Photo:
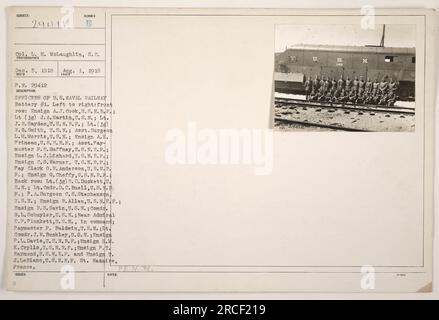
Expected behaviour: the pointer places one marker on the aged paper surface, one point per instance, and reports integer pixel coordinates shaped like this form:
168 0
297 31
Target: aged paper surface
142 155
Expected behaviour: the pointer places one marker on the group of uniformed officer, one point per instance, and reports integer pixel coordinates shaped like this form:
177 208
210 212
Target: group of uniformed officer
355 91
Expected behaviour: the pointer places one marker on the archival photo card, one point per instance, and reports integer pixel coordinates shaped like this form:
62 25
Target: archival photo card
345 78
144 153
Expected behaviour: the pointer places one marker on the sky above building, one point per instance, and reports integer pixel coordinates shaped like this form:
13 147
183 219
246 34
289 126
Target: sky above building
396 35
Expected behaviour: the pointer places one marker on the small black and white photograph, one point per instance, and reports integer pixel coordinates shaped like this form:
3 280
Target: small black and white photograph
345 78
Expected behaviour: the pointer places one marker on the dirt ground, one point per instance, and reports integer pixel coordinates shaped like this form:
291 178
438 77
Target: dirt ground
355 119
